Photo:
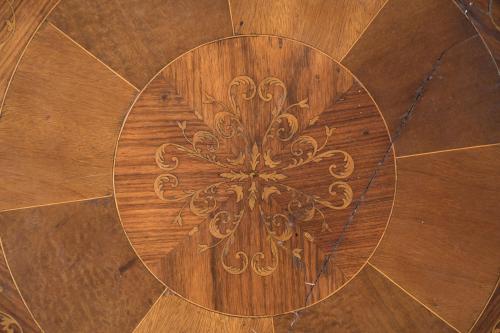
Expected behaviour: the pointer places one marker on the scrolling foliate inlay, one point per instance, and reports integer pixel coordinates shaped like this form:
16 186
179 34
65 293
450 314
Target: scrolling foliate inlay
254 175
8 324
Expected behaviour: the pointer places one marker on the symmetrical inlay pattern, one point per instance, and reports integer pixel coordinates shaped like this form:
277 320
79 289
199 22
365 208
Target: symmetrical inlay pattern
241 162
253 175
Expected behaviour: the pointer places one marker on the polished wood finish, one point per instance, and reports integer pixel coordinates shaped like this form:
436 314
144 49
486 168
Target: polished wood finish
442 242
460 106
67 92
18 21
173 314
485 15
12 307
331 26
59 125
401 66
137 38
75 268
177 143
489 321
370 303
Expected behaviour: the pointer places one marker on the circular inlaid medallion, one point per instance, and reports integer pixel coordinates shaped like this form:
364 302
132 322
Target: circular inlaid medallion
254 176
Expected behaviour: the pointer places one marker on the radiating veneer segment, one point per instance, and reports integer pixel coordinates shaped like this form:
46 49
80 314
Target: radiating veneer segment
11 303
369 303
489 321
485 15
460 106
59 125
442 242
75 267
174 314
26 17
136 37
331 26
421 56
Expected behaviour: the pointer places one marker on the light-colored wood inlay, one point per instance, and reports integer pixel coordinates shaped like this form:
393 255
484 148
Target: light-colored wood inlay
331 26
421 62
59 125
75 268
19 20
255 174
211 166
489 320
460 105
369 303
93 56
485 15
8 324
449 150
442 242
137 38
173 314
14 314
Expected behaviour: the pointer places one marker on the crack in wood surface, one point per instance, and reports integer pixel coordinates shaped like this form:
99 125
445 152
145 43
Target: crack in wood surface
419 93
479 18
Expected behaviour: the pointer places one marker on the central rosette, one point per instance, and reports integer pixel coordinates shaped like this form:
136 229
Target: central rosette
252 172
255 175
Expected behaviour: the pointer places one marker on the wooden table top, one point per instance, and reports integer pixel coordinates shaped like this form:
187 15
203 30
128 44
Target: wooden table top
249 166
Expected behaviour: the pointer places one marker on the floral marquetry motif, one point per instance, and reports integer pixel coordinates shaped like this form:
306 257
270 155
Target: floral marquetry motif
253 176
8 324
240 171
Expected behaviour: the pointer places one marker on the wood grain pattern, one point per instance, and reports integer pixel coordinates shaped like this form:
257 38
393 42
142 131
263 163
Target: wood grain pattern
59 125
173 314
442 242
137 38
397 65
28 14
75 268
11 303
485 15
461 104
244 220
489 321
331 26
369 303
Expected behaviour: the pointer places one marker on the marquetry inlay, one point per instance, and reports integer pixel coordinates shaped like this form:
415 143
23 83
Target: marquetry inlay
8 324
253 175
243 165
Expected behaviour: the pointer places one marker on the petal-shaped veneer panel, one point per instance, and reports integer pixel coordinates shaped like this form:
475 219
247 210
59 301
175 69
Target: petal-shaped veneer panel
331 26
23 18
421 59
59 125
136 37
442 242
75 268
460 106
173 314
12 308
369 303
